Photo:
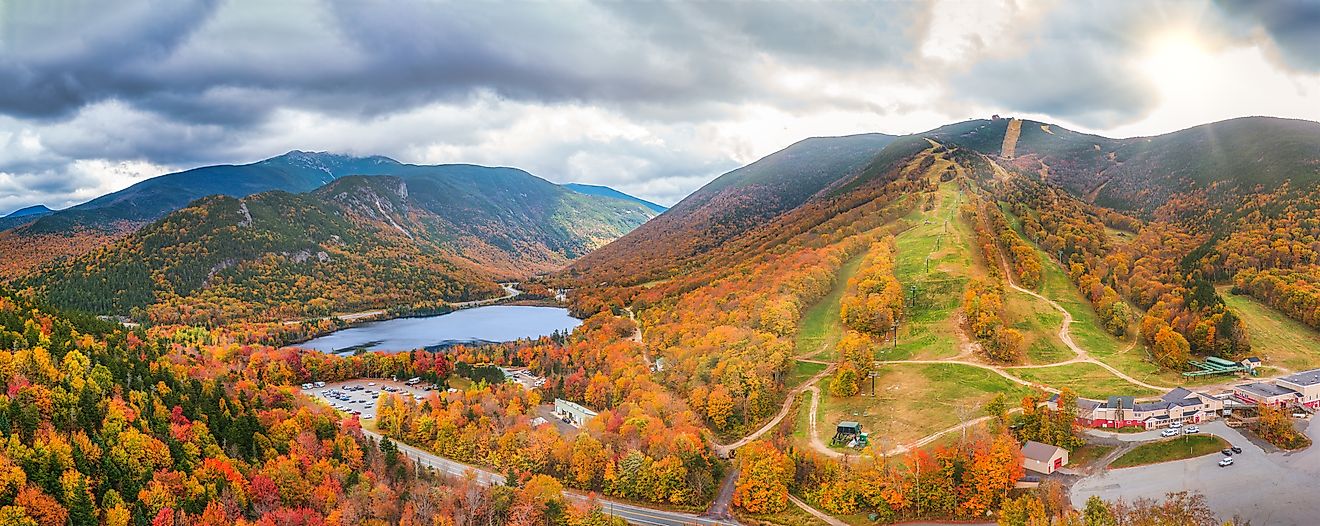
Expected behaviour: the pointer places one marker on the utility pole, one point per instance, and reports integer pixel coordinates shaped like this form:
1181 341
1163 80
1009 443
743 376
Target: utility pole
895 340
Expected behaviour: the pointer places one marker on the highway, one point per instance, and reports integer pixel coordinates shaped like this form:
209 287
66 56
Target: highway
634 514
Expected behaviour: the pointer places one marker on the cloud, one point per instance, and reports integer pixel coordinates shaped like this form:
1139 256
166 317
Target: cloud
1291 27
653 98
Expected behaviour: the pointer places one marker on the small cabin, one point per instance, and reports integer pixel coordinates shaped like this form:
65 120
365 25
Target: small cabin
1043 458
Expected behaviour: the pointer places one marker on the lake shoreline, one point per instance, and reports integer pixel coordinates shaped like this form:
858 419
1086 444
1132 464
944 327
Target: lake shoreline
477 325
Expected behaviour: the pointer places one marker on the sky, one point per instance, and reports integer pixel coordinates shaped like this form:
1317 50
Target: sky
652 98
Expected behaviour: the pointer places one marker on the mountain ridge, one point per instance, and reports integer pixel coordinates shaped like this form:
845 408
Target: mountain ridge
409 241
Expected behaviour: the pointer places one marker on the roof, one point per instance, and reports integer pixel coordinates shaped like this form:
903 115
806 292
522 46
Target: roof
1264 389
1304 378
1176 394
850 425
1039 452
1119 402
1150 406
574 406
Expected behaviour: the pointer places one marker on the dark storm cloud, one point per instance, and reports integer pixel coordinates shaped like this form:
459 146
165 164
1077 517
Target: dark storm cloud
181 58
59 55
1292 26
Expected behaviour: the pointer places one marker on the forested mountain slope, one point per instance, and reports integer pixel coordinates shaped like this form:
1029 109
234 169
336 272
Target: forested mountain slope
496 195
415 240
733 204
718 294
591 189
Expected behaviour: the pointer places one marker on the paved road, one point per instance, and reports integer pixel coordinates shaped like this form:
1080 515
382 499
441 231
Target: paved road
632 513
1267 488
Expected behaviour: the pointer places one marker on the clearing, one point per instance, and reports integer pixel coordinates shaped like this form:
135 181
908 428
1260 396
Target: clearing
1280 341
1088 380
820 327
802 371
914 401
929 330
1184 447
1039 324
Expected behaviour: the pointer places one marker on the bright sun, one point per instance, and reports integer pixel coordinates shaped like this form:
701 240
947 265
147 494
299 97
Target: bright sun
1176 62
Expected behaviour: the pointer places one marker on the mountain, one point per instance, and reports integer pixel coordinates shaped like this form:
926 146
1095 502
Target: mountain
1222 162
1149 231
415 238
736 202
296 171
23 215
34 210
591 189
76 230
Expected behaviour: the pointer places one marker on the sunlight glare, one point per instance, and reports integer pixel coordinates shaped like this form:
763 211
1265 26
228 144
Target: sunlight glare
1176 64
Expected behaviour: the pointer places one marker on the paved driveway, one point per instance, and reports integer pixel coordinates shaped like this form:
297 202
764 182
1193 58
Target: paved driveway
1267 488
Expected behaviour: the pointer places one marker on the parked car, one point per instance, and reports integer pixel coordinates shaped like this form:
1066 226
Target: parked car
1169 433
1175 425
1191 429
1236 449
1227 461
1227 452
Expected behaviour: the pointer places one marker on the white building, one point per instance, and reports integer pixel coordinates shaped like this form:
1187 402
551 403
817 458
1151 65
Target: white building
573 413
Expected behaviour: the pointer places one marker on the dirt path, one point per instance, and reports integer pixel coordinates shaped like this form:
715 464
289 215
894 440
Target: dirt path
1065 334
815 512
723 449
637 337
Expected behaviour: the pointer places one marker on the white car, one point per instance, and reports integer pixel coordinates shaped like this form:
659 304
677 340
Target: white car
1169 433
1225 462
371 384
1191 429
1175 425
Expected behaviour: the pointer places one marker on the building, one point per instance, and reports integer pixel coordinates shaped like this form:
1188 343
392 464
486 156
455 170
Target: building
1307 386
1261 393
846 432
572 413
1043 458
1178 405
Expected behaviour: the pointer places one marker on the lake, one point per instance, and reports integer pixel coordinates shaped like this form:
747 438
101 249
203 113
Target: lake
497 323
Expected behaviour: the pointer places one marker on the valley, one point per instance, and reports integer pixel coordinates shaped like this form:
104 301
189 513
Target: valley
934 295
677 263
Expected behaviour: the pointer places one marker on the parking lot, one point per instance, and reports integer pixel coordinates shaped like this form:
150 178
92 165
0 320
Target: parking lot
359 396
1265 487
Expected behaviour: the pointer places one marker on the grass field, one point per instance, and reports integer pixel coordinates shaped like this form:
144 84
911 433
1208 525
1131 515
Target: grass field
929 328
1039 324
1088 380
820 327
801 372
915 400
1087 454
1187 446
1276 338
